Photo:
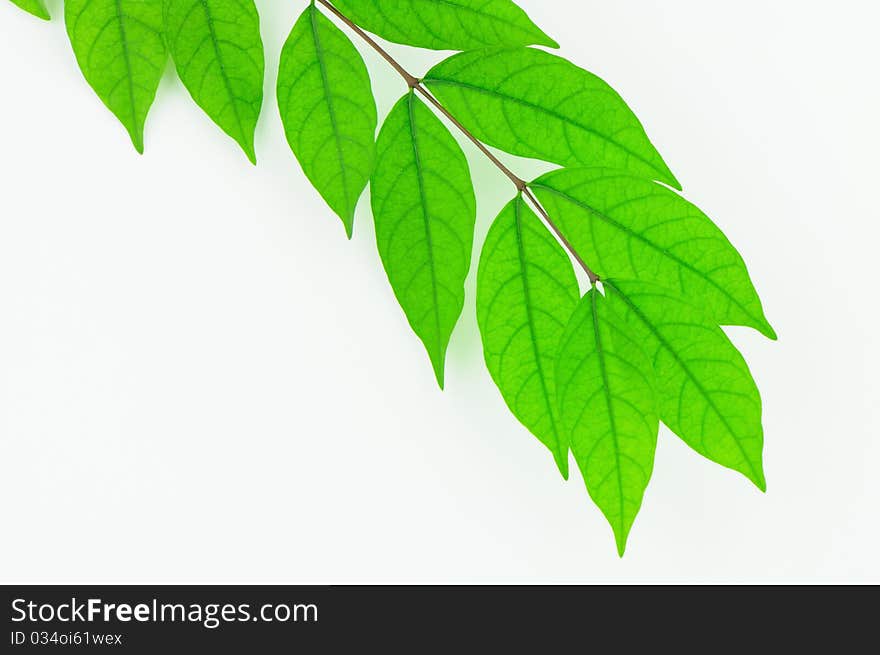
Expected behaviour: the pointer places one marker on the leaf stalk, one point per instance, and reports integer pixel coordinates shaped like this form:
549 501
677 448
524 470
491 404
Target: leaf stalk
415 83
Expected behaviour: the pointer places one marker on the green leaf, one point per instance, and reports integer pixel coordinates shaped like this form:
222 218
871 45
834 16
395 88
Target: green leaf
446 24
534 104
608 405
706 394
121 52
329 114
526 293
218 52
635 229
35 7
425 211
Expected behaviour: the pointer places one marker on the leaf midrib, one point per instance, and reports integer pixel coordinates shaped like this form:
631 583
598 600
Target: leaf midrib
566 119
600 351
428 235
635 235
331 110
665 344
533 31
495 17
214 42
531 323
123 39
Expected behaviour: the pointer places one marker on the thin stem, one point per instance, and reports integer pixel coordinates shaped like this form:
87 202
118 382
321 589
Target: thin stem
416 84
527 193
517 181
411 80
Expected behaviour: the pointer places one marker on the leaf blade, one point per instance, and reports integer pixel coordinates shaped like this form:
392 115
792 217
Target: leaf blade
608 405
425 247
218 52
632 228
526 292
707 395
121 52
534 104
321 73
34 7
446 24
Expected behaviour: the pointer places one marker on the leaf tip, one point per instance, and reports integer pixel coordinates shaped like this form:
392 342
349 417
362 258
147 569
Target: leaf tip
348 223
137 140
247 145
621 527
439 365
562 464
39 11
755 474
761 483
672 181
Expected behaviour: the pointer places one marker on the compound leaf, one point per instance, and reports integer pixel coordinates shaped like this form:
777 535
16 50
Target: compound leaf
605 387
631 228
447 24
706 393
526 293
218 52
534 104
35 7
425 211
329 114
120 49
594 375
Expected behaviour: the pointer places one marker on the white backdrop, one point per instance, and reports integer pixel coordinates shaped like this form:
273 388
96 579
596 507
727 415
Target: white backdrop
201 380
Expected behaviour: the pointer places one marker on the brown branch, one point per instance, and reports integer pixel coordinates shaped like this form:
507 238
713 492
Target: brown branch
527 193
518 182
411 80
415 84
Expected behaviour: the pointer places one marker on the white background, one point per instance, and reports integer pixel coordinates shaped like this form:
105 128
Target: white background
201 380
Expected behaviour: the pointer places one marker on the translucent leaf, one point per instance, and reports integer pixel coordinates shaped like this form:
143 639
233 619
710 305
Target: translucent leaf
635 229
425 210
526 293
329 114
446 24
218 52
121 52
607 403
35 7
706 393
534 104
